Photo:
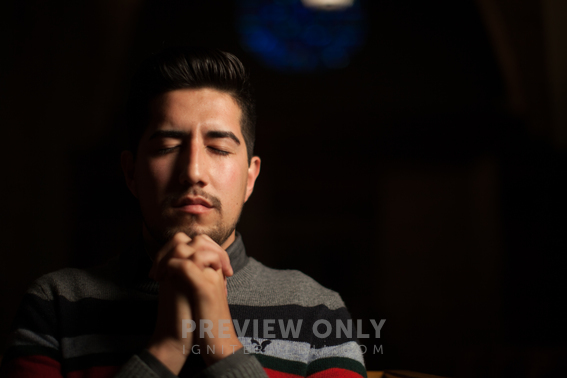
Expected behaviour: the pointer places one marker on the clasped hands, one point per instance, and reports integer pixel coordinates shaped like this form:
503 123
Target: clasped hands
192 276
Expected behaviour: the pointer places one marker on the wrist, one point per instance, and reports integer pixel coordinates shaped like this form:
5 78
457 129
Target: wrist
216 351
169 352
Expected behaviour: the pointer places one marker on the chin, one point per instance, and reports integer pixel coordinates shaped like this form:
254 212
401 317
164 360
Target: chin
218 234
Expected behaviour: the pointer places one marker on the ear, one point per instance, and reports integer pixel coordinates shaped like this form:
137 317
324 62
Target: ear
253 172
127 163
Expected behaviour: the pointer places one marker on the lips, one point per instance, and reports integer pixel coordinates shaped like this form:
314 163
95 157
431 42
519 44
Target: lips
193 205
193 201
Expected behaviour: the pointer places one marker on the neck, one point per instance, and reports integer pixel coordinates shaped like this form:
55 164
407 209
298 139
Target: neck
229 240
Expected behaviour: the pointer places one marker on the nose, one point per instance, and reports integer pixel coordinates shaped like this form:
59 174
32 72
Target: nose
193 168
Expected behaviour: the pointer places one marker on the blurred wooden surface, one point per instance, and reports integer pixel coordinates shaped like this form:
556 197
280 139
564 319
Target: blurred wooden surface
398 374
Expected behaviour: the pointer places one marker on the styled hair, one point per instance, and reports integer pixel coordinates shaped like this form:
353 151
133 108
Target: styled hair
194 68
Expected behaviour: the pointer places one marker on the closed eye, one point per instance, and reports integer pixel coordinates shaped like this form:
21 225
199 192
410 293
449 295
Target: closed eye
218 151
163 151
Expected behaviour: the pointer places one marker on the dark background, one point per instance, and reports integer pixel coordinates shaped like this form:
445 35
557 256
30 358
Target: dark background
425 182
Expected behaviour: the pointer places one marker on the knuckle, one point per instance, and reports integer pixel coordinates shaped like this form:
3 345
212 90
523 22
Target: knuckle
214 258
197 258
205 258
213 254
185 267
180 237
203 239
179 250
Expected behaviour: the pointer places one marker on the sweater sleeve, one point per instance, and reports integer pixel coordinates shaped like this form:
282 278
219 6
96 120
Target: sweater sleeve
237 365
33 349
338 353
144 365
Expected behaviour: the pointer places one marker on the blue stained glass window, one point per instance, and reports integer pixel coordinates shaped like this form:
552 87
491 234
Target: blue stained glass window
287 36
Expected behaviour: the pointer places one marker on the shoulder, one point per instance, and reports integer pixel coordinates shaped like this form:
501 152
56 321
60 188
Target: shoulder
269 286
74 284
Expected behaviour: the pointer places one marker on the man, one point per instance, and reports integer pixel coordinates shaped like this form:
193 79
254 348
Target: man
171 305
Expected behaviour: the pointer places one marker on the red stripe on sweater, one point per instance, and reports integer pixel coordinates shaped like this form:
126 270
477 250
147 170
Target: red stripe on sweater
95 371
32 367
335 372
278 374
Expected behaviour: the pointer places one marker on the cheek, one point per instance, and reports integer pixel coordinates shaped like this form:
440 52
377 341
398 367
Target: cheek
233 181
154 177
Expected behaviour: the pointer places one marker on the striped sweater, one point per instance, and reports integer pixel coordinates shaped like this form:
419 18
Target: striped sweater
96 322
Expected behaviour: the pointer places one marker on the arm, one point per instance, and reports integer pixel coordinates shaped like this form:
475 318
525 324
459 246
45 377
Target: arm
44 317
35 351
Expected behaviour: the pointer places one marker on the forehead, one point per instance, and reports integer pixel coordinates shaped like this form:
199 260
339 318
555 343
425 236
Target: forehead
187 109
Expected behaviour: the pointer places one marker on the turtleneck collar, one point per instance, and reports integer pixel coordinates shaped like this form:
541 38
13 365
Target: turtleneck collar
135 264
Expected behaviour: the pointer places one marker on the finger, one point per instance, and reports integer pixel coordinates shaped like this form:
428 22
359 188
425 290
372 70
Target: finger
205 241
177 247
179 251
178 271
186 272
214 276
203 259
179 238
206 259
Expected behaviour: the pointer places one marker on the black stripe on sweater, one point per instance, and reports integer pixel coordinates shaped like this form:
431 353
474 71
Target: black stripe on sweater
31 350
35 314
98 359
280 364
86 316
336 362
96 316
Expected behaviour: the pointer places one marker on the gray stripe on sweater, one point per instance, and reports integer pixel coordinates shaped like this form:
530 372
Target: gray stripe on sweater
351 350
104 282
253 285
259 285
286 349
301 351
77 284
23 337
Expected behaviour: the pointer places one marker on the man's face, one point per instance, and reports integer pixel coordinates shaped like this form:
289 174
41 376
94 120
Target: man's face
191 173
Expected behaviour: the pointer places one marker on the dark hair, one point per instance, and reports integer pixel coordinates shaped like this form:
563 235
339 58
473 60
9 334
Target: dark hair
189 67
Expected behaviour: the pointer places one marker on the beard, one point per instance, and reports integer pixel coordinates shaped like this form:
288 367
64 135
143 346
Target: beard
169 225
219 232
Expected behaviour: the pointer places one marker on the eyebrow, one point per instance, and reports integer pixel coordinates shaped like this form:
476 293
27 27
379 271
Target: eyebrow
217 134
176 134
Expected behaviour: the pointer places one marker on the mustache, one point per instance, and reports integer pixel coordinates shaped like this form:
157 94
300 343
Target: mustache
173 198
